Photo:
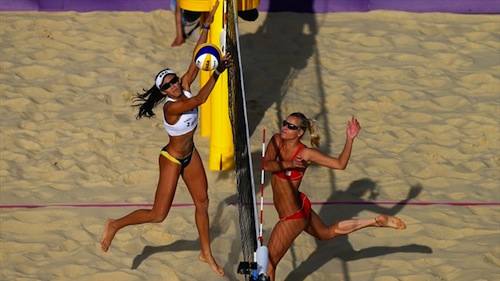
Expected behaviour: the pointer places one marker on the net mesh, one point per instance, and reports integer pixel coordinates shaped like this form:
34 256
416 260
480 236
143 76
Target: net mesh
238 117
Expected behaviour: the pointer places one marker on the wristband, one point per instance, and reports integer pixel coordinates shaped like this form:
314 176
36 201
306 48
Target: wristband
205 26
217 72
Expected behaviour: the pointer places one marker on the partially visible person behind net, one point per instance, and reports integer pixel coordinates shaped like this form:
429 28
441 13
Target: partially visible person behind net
186 22
179 158
287 158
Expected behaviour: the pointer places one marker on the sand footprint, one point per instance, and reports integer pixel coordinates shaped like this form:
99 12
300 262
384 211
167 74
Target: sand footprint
452 102
477 36
410 58
16 104
475 79
434 46
84 80
453 60
36 72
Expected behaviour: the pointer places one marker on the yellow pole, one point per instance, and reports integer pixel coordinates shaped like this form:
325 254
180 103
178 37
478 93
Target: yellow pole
221 136
214 121
195 5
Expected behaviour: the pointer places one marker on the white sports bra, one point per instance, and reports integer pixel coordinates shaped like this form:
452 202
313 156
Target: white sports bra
186 123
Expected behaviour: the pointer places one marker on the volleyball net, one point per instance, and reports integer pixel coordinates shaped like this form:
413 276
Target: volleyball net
241 138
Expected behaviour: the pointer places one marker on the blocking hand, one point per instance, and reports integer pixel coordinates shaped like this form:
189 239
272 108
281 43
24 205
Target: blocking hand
353 128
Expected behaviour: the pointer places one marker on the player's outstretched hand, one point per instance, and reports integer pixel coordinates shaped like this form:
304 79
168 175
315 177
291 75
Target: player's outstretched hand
353 128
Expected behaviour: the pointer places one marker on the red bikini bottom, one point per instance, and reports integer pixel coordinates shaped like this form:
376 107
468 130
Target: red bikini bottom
303 213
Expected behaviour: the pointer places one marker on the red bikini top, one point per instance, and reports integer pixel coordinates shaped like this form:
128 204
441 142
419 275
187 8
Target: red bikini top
293 173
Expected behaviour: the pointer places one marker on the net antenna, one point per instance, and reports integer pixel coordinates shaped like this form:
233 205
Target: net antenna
252 249
262 253
262 178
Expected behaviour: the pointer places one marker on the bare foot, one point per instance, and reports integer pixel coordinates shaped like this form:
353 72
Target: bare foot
389 221
178 41
211 262
107 235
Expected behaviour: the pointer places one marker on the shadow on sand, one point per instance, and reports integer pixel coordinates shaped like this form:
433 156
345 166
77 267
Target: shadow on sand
340 247
220 223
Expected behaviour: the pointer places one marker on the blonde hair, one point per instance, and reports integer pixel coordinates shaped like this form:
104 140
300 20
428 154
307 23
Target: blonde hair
310 124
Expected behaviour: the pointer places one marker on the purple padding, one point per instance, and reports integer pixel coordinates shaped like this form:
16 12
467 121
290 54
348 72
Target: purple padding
19 5
328 6
313 6
84 5
103 5
301 6
451 6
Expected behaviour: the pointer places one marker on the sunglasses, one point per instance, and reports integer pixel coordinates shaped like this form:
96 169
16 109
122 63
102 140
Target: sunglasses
290 125
169 84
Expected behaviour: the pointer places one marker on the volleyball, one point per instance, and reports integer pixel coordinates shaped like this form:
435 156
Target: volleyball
207 56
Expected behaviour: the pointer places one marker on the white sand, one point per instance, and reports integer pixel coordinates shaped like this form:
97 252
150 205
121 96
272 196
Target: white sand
425 87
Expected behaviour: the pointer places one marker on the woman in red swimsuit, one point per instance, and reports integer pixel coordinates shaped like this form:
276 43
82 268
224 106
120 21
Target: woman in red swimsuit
287 158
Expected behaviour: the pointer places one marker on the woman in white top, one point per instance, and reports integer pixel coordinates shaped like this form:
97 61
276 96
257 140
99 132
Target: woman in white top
179 158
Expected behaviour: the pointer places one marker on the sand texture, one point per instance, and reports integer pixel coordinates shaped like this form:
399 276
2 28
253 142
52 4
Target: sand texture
425 88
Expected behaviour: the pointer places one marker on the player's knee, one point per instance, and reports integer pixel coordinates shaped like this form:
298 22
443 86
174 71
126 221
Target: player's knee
327 235
201 204
158 216
334 232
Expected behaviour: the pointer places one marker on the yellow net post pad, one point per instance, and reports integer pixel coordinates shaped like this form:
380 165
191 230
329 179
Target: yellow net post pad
196 5
206 5
221 156
214 119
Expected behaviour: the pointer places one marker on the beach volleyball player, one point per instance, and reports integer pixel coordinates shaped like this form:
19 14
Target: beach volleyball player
179 158
287 158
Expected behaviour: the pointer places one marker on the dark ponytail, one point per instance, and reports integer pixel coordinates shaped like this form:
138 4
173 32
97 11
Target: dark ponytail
147 101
